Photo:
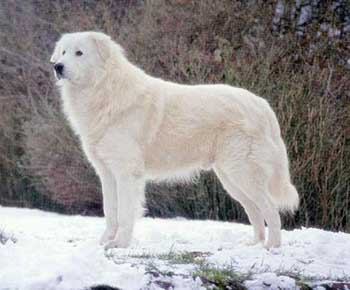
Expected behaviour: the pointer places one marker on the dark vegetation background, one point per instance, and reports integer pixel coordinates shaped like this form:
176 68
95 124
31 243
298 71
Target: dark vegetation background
296 54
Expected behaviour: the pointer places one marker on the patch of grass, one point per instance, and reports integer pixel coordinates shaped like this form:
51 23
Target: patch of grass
176 258
213 277
145 256
156 272
302 285
220 278
184 257
302 281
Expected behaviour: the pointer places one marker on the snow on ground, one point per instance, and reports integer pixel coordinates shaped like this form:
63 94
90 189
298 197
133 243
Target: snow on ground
41 250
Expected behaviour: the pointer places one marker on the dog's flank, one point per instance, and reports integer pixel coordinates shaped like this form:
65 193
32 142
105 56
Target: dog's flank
134 127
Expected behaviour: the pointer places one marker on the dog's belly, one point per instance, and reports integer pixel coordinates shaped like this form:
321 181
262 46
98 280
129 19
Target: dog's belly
174 156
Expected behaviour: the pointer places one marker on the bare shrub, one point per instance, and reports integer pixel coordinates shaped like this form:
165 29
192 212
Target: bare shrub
60 170
305 78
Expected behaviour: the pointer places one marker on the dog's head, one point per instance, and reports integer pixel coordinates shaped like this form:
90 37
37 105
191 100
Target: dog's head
81 57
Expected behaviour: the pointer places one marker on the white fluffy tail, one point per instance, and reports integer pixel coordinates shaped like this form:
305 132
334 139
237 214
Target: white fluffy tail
286 198
283 193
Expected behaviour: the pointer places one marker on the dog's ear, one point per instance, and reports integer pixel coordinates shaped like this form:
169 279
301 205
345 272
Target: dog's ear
103 45
56 53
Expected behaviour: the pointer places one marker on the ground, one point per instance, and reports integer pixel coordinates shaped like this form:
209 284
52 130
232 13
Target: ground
40 250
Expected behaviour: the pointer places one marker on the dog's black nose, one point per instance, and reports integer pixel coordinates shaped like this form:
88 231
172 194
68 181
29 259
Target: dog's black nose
59 68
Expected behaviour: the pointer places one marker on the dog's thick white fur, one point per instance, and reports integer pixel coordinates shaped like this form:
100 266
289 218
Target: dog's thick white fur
134 127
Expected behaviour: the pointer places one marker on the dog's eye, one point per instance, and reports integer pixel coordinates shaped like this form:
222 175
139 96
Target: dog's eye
63 52
78 53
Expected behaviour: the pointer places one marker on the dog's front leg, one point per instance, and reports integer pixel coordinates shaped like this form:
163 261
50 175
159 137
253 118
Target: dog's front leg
130 192
110 206
124 160
109 192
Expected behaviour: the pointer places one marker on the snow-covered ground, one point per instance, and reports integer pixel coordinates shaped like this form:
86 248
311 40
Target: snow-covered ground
51 251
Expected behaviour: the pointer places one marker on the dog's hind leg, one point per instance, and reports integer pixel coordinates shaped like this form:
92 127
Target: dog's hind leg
243 163
271 216
253 212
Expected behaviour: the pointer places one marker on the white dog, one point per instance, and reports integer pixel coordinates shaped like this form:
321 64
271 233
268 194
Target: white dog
134 127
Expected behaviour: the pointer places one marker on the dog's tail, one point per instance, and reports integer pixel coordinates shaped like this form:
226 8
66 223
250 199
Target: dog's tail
285 197
283 193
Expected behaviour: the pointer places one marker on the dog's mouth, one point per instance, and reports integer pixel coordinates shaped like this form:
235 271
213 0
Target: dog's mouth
58 76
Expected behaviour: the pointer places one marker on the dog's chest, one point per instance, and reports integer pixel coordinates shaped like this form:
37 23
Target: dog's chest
80 116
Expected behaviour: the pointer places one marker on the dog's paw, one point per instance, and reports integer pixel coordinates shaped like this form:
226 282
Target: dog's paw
121 240
111 244
108 235
117 243
253 242
272 244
